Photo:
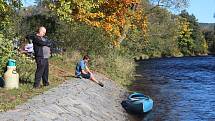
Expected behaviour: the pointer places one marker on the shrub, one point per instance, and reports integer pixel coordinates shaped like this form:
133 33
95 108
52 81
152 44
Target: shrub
116 67
26 68
6 51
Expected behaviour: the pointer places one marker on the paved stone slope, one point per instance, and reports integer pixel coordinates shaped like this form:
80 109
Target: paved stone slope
74 100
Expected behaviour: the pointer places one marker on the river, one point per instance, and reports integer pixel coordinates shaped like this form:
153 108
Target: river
183 89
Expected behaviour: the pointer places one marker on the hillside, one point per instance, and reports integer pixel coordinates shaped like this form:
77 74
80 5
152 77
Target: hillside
207 26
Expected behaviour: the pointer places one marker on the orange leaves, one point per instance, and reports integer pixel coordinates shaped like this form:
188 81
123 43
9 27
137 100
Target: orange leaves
107 27
139 16
96 24
145 24
111 19
111 15
128 2
122 21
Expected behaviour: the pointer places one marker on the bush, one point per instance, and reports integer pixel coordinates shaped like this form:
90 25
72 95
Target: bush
6 51
26 68
116 67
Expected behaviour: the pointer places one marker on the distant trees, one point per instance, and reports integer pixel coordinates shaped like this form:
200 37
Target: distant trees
208 30
210 38
214 24
196 43
162 35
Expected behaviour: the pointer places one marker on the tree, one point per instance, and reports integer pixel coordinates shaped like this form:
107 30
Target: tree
200 46
7 12
172 4
185 41
210 38
214 30
116 17
162 34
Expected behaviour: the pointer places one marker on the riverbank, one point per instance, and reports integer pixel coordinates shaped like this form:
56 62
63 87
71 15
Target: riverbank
74 100
146 57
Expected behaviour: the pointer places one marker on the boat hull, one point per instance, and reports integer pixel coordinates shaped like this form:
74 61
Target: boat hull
138 103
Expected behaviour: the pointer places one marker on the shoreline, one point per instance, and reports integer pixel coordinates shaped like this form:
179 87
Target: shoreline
146 57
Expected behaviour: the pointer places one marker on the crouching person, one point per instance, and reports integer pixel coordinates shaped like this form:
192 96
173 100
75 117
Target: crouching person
82 71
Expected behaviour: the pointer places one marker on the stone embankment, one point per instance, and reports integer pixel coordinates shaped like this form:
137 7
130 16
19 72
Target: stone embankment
74 100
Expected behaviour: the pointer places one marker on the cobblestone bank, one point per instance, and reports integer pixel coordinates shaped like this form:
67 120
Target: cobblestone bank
74 100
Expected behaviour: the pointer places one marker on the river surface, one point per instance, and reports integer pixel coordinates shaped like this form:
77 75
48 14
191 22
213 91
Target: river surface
183 89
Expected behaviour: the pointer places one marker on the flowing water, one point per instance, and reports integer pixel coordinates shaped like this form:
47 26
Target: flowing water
183 89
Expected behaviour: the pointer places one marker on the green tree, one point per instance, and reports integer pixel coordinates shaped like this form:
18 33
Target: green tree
210 38
162 34
161 37
185 41
7 33
200 46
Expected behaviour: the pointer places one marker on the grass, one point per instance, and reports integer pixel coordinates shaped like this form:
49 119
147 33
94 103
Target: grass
58 74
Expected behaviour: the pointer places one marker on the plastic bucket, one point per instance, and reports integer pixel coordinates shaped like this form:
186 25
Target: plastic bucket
11 62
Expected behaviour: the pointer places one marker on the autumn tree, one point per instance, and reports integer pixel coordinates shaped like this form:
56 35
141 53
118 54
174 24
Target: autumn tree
185 41
200 45
115 17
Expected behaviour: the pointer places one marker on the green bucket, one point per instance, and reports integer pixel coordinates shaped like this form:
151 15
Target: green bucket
11 62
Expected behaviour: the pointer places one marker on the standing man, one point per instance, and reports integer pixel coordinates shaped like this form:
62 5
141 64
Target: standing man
42 52
82 71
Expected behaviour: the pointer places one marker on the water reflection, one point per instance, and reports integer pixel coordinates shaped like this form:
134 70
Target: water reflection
183 89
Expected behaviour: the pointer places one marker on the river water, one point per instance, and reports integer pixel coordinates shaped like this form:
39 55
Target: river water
183 89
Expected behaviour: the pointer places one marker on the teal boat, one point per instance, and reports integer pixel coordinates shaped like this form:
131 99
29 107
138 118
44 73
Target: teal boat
137 103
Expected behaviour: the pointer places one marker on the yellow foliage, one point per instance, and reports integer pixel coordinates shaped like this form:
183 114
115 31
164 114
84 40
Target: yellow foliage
138 17
95 23
116 43
95 15
111 15
185 30
145 24
111 19
122 21
117 32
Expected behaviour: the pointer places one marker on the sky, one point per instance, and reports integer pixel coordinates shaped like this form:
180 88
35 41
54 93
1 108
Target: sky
203 10
28 2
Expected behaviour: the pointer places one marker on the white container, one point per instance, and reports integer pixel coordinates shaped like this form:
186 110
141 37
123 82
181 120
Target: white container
11 78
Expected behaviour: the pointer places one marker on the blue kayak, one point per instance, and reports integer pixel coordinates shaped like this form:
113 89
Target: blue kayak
138 103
